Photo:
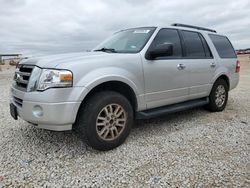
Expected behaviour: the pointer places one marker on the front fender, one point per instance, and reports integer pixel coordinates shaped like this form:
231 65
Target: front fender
102 75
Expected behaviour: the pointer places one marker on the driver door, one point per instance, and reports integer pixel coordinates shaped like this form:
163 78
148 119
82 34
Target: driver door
166 78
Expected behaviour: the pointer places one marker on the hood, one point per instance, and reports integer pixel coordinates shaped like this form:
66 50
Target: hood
53 61
93 64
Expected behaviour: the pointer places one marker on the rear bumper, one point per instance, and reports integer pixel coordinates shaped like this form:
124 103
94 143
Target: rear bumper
234 80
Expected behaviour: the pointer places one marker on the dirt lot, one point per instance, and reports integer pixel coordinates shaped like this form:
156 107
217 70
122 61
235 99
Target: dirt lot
194 148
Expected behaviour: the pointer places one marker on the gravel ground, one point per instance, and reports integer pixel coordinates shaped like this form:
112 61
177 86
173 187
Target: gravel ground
194 148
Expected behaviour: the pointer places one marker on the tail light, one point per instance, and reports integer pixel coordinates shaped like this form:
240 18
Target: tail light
237 69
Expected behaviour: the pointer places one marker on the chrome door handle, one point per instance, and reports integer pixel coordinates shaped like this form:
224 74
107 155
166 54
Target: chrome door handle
181 66
213 64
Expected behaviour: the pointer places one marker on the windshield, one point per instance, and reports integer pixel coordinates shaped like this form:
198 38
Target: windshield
127 41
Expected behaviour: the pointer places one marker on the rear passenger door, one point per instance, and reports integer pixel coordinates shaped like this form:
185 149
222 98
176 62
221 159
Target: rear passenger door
199 62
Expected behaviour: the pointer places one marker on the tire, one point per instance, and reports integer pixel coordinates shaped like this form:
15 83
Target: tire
218 96
104 121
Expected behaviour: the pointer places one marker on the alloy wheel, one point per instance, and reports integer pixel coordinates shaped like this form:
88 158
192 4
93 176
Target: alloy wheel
111 122
220 95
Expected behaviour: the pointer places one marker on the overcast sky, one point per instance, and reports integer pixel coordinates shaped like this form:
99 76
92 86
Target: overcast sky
55 26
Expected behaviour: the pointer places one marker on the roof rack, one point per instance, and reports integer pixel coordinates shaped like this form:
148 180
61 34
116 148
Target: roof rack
194 27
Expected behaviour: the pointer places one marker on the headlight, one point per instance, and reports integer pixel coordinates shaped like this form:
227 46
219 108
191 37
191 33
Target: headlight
54 78
34 79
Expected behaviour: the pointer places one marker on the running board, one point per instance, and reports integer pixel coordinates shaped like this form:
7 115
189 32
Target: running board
147 114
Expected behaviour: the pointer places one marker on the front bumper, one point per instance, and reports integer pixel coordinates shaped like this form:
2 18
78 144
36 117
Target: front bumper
58 115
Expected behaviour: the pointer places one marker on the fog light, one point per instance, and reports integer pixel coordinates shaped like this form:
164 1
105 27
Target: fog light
38 111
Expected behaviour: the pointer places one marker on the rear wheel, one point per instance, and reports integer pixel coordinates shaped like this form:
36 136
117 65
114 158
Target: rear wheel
218 96
105 120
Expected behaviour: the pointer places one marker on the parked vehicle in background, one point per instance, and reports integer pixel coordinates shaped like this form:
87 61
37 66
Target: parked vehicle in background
245 51
137 73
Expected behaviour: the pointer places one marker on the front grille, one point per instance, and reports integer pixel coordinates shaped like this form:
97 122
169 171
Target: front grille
22 75
18 101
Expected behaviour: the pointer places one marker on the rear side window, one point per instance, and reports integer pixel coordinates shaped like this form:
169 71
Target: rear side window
223 46
169 36
194 47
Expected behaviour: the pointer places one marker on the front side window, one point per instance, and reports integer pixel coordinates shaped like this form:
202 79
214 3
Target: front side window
223 46
127 41
193 45
168 36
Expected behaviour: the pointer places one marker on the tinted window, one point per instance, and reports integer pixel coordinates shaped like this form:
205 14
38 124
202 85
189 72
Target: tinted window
168 36
223 46
193 45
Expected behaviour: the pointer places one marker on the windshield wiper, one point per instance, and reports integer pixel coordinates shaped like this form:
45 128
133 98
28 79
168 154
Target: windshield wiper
106 50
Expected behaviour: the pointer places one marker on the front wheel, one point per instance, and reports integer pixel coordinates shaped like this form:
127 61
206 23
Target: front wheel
105 120
218 96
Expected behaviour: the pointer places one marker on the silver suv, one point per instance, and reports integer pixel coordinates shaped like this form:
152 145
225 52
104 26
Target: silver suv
137 73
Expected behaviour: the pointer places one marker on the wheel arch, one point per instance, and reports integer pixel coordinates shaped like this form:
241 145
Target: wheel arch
224 77
117 86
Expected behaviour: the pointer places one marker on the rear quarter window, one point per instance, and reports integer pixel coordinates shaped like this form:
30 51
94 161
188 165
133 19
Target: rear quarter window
223 46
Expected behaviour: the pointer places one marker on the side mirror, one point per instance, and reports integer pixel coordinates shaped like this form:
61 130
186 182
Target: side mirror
161 50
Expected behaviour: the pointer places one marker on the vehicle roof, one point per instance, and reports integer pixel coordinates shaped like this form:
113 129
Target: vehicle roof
177 27
189 29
